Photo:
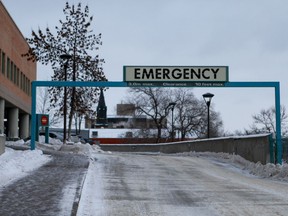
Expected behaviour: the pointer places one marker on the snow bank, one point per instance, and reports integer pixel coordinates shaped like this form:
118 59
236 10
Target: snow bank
78 148
277 172
16 164
57 145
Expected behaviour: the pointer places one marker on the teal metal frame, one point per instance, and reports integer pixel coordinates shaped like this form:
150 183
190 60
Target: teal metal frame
275 85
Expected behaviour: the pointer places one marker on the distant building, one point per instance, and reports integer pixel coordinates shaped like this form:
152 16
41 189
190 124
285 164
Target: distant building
16 75
125 120
126 109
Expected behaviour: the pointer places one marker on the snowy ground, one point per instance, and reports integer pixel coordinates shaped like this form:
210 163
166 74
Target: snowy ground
15 164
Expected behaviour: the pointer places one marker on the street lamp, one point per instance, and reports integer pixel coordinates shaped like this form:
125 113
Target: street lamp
208 97
172 105
66 57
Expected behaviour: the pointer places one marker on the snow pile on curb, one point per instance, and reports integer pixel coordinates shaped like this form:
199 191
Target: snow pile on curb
77 148
57 145
51 141
17 164
54 144
269 170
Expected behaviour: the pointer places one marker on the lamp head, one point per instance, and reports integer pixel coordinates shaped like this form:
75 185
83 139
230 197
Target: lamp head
208 97
172 104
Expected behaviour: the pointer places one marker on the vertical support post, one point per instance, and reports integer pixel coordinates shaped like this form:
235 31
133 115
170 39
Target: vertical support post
13 126
2 111
24 125
33 117
208 119
65 111
172 124
278 125
47 135
37 128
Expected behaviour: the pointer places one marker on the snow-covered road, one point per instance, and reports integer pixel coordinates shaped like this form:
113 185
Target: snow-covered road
131 184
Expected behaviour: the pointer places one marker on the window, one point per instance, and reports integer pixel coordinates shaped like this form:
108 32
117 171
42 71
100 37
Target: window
21 81
15 75
29 88
17 81
94 134
11 70
24 84
3 62
8 68
27 85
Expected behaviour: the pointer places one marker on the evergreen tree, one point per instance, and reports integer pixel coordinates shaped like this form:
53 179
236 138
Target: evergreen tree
74 38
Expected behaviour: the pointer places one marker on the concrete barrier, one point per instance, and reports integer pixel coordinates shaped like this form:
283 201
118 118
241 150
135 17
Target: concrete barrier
2 144
253 148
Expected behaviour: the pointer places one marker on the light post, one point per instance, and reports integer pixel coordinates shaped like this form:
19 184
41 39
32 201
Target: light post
208 97
172 105
66 57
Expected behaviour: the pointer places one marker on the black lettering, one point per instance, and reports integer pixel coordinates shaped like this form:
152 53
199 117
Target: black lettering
203 73
158 73
197 74
166 73
137 73
176 75
215 72
186 73
148 74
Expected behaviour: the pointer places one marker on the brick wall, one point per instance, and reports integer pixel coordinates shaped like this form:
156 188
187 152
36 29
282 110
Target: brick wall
13 44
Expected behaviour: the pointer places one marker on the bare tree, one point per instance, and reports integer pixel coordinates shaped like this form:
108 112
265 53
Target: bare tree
216 124
265 122
188 113
191 115
43 106
153 102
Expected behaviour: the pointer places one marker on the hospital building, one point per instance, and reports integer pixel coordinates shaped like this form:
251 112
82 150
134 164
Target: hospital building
16 75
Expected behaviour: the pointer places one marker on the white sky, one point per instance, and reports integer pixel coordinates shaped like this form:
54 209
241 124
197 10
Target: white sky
248 36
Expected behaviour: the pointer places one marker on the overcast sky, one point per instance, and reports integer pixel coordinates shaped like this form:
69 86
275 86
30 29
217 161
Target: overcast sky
251 37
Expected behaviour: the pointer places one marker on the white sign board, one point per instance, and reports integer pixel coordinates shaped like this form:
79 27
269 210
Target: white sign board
175 73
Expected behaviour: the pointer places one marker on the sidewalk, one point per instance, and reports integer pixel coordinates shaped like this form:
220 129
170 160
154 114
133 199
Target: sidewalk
52 190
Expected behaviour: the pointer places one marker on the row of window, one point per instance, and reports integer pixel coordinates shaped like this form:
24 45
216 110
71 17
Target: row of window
12 72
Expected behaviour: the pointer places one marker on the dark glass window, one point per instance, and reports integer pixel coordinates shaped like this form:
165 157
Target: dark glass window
3 63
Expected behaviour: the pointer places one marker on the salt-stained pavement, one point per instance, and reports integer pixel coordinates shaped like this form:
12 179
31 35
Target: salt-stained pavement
167 185
53 189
